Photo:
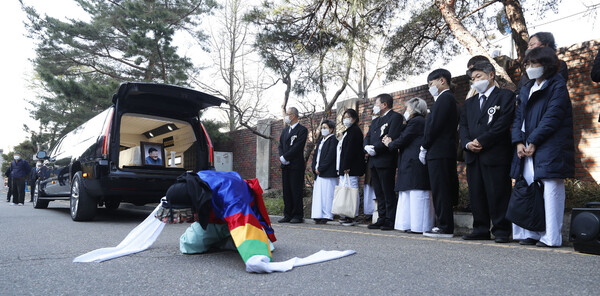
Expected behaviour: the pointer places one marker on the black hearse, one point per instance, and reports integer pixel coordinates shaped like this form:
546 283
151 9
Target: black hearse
131 152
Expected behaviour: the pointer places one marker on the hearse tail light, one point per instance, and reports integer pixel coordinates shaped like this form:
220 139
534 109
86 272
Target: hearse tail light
210 147
106 141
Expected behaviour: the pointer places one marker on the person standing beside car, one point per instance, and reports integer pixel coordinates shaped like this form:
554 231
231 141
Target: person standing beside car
19 172
291 155
35 174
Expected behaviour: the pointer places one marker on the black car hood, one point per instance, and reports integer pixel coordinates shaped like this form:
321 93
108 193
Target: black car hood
153 97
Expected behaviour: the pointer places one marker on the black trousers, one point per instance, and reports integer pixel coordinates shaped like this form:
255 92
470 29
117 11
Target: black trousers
383 180
444 190
489 193
32 189
18 190
293 186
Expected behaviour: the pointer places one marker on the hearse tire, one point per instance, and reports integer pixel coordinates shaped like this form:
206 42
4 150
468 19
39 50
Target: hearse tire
37 203
82 205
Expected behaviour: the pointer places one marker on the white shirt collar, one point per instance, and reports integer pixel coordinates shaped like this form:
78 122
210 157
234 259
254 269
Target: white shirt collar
488 92
388 111
294 125
435 98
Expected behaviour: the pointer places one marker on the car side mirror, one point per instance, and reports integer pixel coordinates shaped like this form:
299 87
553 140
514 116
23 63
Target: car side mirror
41 155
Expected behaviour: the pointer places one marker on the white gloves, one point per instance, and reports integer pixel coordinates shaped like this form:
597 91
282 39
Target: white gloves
370 149
422 155
283 161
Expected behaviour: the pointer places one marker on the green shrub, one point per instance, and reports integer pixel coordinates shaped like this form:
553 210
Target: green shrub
578 193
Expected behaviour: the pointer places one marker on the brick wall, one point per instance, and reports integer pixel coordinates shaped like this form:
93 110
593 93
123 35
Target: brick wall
585 96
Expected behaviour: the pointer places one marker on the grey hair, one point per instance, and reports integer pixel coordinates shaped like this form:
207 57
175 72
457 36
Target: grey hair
418 105
294 110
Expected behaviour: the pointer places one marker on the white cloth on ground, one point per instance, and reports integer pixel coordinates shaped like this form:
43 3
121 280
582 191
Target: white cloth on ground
261 264
144 235
322 199
139 239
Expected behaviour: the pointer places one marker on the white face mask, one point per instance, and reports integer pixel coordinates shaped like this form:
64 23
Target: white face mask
433 90
287 119
376 109
347 122
406 114
535 73
480 85
16 157
325 132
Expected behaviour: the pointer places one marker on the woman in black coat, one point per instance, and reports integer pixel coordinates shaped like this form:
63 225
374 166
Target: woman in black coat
351 157
323 165
543 134
414 211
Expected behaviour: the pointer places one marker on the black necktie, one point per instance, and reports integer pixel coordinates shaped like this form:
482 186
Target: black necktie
482 101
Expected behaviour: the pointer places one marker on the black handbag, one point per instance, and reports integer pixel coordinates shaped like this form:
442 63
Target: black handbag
526 205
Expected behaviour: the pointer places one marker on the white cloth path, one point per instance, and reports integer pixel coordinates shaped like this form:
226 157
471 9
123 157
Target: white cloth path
144 235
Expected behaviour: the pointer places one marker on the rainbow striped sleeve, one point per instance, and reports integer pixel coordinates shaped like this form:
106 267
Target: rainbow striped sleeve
248 235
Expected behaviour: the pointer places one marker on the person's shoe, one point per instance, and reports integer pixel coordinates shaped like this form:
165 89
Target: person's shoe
413 232
541 244
376 225
285 220
21 204
438 233
528 242
348 222
387 226
477 236
501 239
13 204
297 220
31 200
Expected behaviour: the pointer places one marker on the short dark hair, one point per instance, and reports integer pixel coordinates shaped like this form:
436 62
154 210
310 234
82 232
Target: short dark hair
545 38
476 59
329 123
152 149
546 57
440 73
352 113
387 99
486 67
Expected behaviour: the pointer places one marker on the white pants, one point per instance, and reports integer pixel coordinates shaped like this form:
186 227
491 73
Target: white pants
414 211
368 200
554 205
322 200
353 180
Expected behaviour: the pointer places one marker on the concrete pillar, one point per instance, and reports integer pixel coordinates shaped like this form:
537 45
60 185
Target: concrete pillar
263 153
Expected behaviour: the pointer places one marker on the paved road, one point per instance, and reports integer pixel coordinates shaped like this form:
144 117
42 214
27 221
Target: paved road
37 247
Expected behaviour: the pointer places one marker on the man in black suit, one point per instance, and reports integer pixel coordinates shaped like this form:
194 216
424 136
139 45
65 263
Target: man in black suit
382 161
485 124
439 152
291 154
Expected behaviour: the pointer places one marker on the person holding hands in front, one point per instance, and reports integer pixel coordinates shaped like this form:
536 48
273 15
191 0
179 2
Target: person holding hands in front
414 212
485 122
382 161
542 132
323 166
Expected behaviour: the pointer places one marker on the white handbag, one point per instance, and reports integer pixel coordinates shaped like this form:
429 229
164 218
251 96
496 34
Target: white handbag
344 199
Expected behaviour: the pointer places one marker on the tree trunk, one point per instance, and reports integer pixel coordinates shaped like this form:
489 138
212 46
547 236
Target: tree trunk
447 8
518 27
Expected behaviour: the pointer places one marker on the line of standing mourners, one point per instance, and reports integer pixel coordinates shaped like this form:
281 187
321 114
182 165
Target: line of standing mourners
411 158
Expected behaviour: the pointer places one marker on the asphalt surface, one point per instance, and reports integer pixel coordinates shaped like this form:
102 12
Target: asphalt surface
38 246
